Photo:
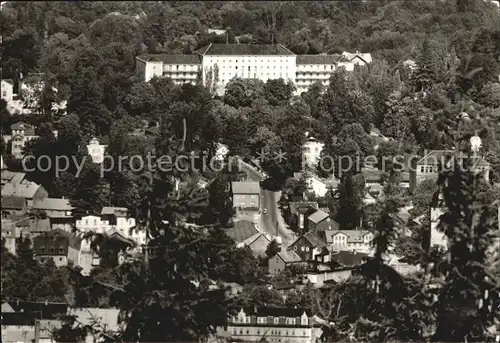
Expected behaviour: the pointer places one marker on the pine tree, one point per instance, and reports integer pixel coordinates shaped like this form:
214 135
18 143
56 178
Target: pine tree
469 299
427 72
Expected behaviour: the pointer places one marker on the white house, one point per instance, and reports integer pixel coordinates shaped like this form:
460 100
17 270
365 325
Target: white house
219 63
22 133
7 90
96 150
350 240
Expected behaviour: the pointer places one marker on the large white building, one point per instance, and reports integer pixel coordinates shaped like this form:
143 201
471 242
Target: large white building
216 64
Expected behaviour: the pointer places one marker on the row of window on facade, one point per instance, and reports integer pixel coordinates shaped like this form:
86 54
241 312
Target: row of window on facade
241 332
263 320
50 251
427 169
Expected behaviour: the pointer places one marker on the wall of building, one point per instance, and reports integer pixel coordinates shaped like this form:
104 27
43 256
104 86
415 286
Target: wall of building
246 200
276 265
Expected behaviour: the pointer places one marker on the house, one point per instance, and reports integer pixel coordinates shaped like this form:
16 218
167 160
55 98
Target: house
321 221
311 152
358 58
300 210
319 278
246 195
22 133
428 166
308 246
58 245
276 324
282 260
53 207
19 327
257 243
242 230
349 240
32 227
320 186
347 259
221 152
96 150
16 185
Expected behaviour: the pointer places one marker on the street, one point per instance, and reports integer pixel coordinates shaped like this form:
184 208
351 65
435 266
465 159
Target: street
273 223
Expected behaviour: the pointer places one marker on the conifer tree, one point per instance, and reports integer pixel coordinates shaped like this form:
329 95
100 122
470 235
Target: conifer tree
426 73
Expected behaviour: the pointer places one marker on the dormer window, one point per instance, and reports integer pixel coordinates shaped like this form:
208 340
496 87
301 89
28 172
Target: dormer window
290 321
276 320
261 320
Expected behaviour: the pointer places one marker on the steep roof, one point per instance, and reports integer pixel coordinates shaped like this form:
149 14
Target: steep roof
13 203
245 187
313 238
242 230
289 256
244 49
12 177
319 59
29 129
353 236
10 81
18 319
171 58
318 216
348 258
44 310
255 238
23 190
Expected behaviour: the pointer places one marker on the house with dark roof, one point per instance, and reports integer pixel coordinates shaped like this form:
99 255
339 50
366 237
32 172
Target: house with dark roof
246 195
283 260
349 240
53 207
257 243
58 245
307 246
242 230
298 212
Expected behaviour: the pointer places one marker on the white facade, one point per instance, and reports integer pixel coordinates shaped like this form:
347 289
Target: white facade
438 238
312 152
262 67
7 91
21 134
350 240
96 150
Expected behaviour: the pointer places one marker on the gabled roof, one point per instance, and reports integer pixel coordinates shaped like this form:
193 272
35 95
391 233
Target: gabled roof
245 187
318 216
29 129
289 256
117 211
319 59
12 177
242 230
255 238
23 190
19 319
171 58
43 310
9 81
13 203
244 49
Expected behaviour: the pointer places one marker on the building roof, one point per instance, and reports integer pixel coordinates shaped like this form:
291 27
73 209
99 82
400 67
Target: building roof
44 310
289 256
242 230
117 211
29 130
367 57
313 238
18 319
13 202
276 312
295 206
12 177
60 236
319 59
353 236
10 81
23 190
52 204
255 239
171 58
318 216
106 317
245 187
244 49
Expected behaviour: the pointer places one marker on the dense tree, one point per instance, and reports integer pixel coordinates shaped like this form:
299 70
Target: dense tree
351 197
272 248
242 93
